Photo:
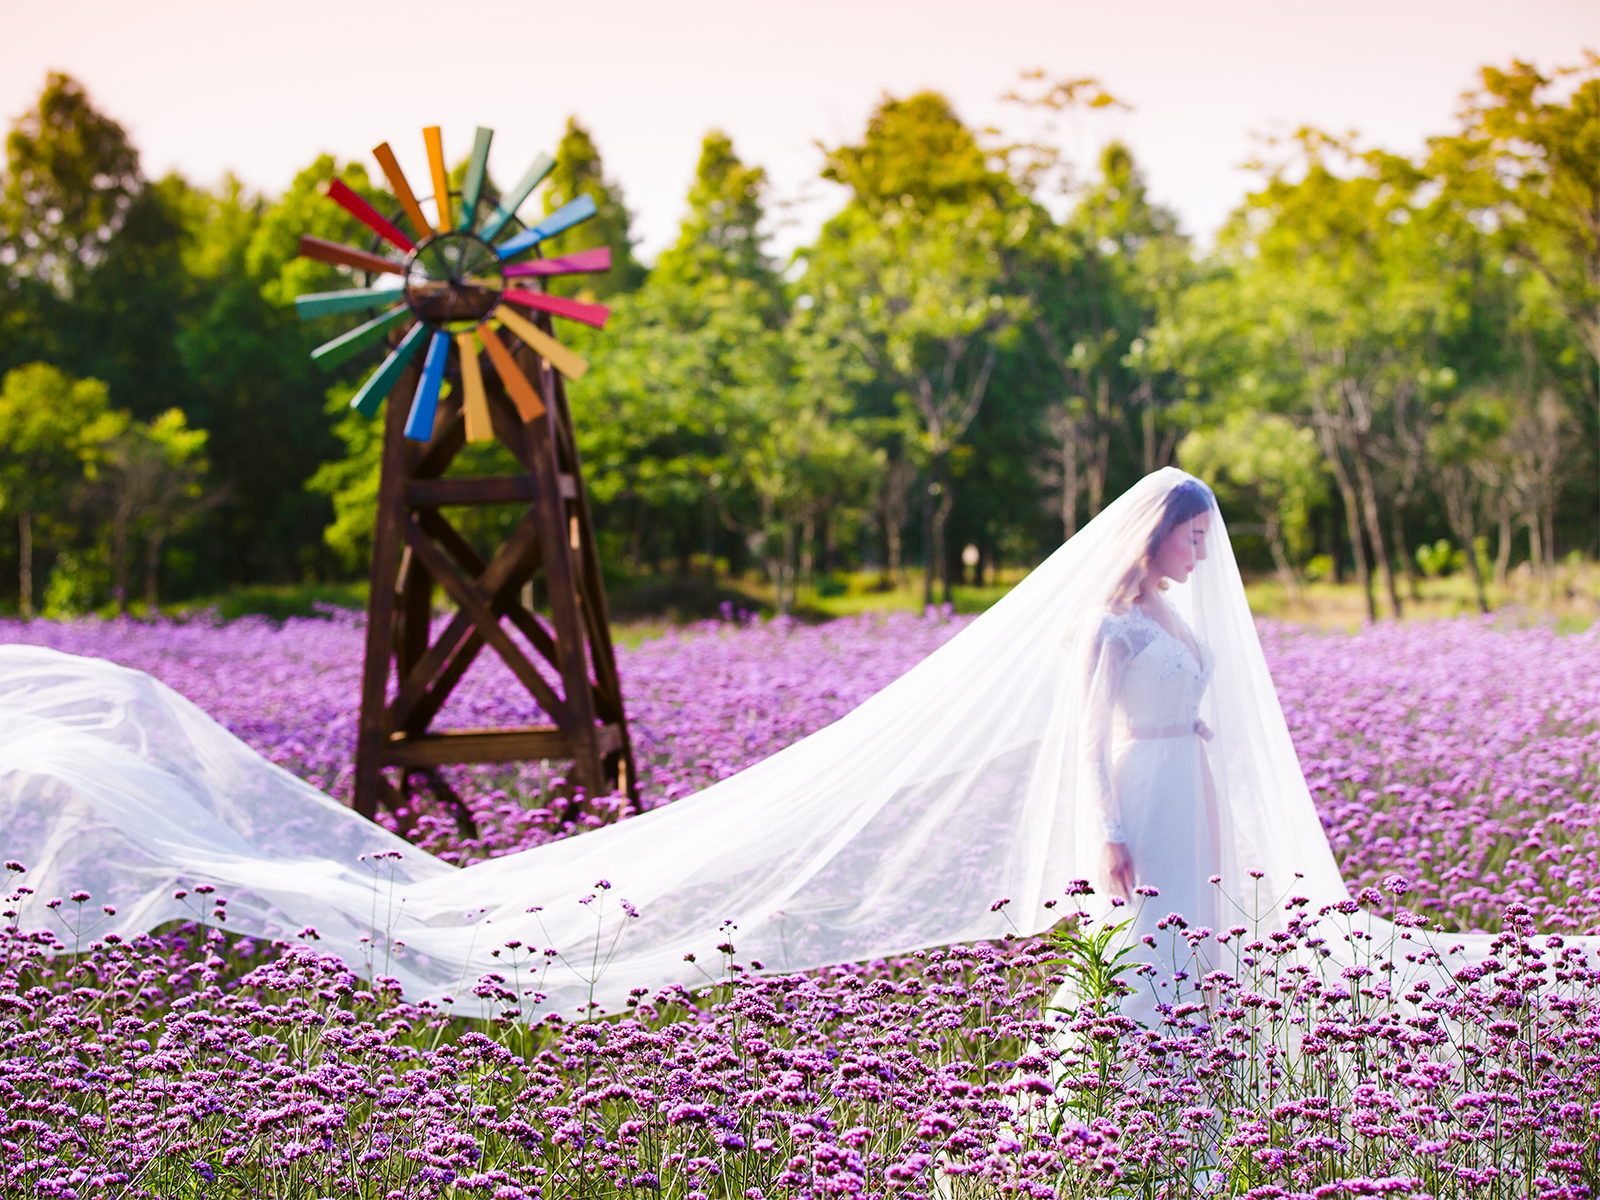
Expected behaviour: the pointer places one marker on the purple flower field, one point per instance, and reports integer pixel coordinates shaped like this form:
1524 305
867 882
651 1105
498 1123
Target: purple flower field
1455 765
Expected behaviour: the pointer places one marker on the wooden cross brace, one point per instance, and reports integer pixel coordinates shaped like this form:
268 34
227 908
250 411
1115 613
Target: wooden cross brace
571 672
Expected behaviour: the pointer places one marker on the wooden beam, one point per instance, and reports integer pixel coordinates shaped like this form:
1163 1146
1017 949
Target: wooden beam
489 746
469 489
386 544
476 605
479 746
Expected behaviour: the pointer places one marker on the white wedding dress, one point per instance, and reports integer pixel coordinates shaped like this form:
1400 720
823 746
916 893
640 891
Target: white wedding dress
982 775
1158 783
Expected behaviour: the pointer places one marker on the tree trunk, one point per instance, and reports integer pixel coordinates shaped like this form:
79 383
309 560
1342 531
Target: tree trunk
941 514
808 552
1374 524
1347 492
711 546
1280 558
1100 459
1069 484
25 562
152 570
1148 428
1502 551
1398 534
1459 508
119 556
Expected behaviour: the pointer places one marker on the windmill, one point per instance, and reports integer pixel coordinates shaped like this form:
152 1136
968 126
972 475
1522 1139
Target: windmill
462 300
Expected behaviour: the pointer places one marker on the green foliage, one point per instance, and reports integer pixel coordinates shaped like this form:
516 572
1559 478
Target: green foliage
72 179
579 171
985 345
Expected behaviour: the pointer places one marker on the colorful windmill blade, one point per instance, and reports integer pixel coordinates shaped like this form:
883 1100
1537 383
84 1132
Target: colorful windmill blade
563 219
531 178
342 195
425 402
522 393
328 304
402 189
573 310
347 256
434 142
573 366
474 400
584 262
453 291
342 348
472 186
380 382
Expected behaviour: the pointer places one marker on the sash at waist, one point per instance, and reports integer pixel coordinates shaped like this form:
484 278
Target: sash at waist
1147 732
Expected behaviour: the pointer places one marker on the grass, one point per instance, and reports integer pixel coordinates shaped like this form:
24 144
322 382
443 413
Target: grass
645 607
1571 594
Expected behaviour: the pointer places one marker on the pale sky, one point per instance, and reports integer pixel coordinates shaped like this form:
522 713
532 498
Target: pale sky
259 89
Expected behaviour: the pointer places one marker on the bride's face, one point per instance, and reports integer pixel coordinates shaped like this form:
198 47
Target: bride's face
1181 549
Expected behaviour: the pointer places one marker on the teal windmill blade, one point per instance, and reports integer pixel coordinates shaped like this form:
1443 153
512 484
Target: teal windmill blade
531 179
377 386
477 168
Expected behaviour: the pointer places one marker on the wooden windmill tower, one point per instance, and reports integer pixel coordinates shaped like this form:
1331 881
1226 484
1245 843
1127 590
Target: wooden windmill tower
469 307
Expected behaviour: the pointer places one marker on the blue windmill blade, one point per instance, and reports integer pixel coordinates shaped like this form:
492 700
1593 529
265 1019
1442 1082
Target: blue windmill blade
419 424
564 218
377 386
531 179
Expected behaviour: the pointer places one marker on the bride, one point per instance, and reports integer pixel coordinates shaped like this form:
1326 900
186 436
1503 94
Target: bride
1111 719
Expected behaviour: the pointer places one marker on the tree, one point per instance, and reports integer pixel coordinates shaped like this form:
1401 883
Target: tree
72 178
1099 282
51 427
1265 463
93 252
1528 162
579 171
915 276
1464 448
151 478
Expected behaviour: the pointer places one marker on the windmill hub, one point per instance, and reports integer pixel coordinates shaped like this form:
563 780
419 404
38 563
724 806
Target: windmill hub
453 278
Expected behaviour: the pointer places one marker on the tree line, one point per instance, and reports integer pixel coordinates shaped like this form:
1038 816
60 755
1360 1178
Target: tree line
1385 364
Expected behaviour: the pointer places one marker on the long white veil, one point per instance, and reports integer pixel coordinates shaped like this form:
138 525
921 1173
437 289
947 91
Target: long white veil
897 827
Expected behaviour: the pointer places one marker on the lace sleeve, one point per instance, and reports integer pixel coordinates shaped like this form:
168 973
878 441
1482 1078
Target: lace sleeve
1106 665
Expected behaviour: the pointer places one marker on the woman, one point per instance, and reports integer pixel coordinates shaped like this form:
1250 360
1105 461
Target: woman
1110 719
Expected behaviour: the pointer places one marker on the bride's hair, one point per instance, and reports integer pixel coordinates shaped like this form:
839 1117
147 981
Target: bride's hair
1186 501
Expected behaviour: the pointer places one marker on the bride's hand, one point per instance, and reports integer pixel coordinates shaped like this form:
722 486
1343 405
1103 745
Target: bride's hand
1117 865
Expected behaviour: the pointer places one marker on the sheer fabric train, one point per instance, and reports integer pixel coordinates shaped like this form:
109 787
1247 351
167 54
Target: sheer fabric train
895 828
